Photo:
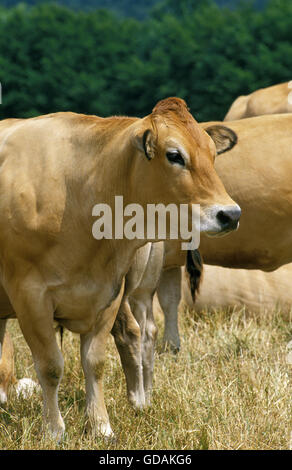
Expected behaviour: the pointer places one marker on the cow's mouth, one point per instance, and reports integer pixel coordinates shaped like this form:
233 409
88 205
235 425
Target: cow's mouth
222 233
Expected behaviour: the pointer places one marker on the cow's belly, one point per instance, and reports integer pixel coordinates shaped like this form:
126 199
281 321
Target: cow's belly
78 307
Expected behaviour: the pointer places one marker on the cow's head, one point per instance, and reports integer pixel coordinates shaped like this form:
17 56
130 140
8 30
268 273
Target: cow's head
179 155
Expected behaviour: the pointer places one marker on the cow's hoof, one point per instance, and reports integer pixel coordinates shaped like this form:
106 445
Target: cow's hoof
170 346
100 430
137 401
148 397
106 431
55 435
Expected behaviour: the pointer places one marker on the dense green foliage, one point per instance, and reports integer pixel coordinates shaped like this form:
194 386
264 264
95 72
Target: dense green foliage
53 58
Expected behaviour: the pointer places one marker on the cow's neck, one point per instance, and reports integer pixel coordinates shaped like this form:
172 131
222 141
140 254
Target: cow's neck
105 170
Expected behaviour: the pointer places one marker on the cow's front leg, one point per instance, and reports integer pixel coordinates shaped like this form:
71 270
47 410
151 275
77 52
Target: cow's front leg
93 348
169 295
35 313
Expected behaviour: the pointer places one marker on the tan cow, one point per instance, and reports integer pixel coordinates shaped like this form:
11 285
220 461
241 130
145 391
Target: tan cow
257 173
257 291
6 363
276 99
54 170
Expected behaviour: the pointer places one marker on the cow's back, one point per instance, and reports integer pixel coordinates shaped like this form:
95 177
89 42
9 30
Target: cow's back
271 100
238 109
276 99
224 288
7 123
257 173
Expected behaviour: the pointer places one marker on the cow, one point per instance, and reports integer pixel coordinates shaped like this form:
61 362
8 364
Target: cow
276 99
256 291
55 170
6 363
257 174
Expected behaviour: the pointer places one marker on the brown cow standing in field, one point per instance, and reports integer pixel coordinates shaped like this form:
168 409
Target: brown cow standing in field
6 363
276 99
255 290
54 170
257 173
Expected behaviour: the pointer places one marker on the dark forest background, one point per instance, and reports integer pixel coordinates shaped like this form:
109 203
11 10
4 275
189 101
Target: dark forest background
121 56
135 8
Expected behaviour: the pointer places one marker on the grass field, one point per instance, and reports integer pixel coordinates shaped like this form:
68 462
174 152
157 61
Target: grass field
228 388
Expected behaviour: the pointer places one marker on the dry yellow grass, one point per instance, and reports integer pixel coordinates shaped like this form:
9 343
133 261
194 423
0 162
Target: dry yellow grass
228 388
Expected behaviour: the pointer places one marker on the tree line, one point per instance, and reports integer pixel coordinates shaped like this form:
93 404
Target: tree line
54 58
137 9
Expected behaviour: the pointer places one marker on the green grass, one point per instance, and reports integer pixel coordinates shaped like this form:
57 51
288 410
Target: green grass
228 388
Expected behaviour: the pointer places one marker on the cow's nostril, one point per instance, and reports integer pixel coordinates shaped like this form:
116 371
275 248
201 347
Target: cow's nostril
223 218
229 217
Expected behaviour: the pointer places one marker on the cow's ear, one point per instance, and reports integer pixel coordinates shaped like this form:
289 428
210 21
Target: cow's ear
224 137
145 142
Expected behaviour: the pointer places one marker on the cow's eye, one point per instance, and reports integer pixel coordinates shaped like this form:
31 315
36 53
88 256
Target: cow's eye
175 157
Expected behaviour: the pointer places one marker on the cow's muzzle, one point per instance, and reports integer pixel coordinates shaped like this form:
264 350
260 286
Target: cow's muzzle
229 218
219 220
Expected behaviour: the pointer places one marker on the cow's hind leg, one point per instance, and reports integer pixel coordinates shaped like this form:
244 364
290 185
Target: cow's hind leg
148 350
143 312
169 295
127 334
141 302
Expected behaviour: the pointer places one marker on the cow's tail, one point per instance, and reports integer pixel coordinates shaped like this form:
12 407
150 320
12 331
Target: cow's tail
61 336
60 329
194 271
